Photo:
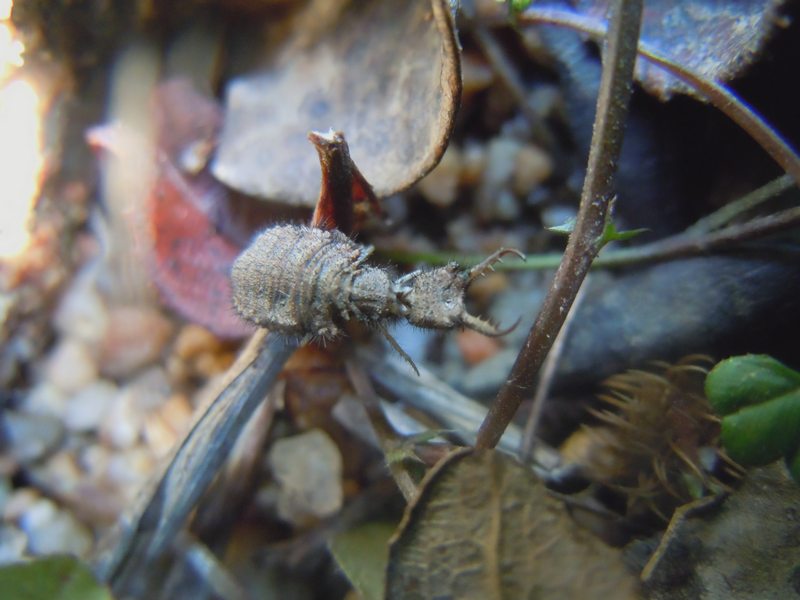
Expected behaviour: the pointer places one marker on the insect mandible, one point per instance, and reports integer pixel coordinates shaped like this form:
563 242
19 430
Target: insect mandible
308 281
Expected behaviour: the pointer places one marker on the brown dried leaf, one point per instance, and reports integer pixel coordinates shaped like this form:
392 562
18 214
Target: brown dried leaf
484 527
715 39
748 547
386 73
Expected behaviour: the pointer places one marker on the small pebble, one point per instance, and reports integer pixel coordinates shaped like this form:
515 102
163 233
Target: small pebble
19 501
473 163
13 542
135 338
193 340
29 437
87 409
93 460
476 347
51 530
158 436
131 466
308 469
177 412
122 423
440 186
46 399
494 199
533 166
70 366
5 492
81 313
59 475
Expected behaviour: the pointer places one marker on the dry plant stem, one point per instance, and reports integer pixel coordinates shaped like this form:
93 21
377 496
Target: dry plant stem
383 430
726 214
149 531
545 381
717 94
612 107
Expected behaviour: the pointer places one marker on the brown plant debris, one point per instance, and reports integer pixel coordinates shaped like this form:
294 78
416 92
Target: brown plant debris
484 527
656 441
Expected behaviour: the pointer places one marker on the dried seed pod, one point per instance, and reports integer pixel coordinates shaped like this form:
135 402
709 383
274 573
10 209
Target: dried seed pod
306 282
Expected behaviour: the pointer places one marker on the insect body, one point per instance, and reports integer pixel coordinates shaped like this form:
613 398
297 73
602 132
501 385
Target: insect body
307 282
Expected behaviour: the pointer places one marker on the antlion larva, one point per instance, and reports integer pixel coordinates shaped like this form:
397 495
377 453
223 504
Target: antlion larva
307 282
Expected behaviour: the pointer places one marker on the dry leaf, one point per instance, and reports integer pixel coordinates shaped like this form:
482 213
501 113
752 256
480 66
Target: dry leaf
715 39
386 73
484 527
746 548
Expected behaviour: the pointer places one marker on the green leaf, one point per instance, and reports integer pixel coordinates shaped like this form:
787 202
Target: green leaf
517 6
565 228
612 234
762 433
363 553
742 381
51 578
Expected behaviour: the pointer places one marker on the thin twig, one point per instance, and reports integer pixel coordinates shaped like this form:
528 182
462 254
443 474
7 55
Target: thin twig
612 107
724 215
546 378
717 94
386 435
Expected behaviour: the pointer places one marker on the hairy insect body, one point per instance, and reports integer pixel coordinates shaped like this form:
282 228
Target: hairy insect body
305 281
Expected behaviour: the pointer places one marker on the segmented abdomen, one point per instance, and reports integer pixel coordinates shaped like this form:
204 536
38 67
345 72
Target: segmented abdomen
294 279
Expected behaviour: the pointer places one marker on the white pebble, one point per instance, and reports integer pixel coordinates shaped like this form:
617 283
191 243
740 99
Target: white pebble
13 542
29 437
308 469
122 424
135 338
131 466
20 500
87 409
51 530
46 399
70 366
81 312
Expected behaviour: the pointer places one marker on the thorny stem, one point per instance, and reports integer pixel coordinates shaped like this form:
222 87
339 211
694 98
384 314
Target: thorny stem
717 94
612 107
